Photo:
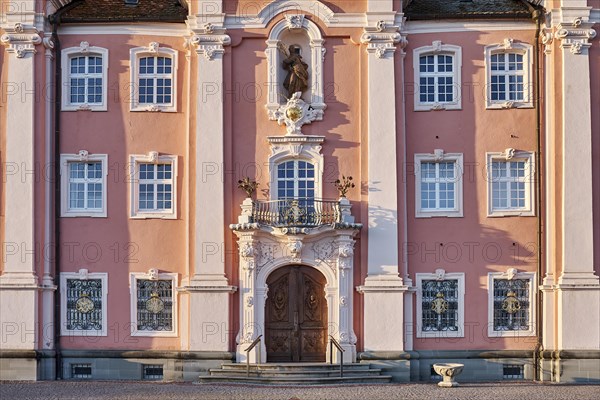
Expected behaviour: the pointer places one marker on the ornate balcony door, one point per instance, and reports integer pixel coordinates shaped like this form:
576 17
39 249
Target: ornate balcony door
296 315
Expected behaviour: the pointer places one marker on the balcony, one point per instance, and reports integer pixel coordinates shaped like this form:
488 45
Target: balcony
295 213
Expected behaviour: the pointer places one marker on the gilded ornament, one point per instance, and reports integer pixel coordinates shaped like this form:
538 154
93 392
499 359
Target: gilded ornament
84 304
511 304
439 305
154 304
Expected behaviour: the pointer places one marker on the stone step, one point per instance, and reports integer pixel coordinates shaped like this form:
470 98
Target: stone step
289 373
370 379
297 366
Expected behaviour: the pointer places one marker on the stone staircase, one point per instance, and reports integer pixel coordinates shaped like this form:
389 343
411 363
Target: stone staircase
296 374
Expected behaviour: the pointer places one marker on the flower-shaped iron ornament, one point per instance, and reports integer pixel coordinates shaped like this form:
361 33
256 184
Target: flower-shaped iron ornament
439 305
511 304
84 304
155 304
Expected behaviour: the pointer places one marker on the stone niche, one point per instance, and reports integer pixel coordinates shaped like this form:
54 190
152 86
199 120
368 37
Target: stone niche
295 29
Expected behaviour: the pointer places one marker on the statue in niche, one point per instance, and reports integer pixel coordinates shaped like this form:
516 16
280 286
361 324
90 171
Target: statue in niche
297 76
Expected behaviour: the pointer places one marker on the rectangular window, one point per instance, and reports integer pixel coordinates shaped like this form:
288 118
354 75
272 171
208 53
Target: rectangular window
513 372
83 303
155 82
440 304
153 304
153 372
153 187
511 184
83 185
438 184
436 79
156 187
511 304
438 191
507 77
81 371
85 78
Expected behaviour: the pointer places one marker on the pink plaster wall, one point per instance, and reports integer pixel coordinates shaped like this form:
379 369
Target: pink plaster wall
475 244
117 244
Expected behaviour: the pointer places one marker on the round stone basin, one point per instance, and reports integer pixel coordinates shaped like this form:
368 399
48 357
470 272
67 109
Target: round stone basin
448 371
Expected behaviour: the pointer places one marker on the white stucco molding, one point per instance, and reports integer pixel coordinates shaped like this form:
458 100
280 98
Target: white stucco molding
209 40
21 39
263 250
251 16
381 39
291 147
509 45
296 22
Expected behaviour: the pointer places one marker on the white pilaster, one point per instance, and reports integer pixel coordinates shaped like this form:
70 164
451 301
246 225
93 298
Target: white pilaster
383 181
578 287
208 290
18 284
384 289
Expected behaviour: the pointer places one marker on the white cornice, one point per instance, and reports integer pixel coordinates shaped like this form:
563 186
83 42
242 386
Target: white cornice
413 27
154 29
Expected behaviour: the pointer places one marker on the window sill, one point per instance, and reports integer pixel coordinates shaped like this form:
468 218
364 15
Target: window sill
511 334
437 214
437 107
154 334
440 334
154 216
84 107
69 214
153 108
500 214
507 105
91 334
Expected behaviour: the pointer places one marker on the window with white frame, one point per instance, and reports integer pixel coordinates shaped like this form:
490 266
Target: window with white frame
83 303
85 78
154 77
437 70
83 184
153 304
438 184
295 179
440 304
508 69
511 177
153 186
510 303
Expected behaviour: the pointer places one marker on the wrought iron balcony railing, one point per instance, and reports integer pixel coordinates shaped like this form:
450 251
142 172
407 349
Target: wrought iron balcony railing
304 212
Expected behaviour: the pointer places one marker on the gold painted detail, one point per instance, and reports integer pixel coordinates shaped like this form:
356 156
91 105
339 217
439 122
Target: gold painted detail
511 304
84 304
439 305
155 304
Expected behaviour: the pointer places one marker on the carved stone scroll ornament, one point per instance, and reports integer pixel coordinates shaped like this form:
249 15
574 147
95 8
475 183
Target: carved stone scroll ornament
210 41
21 40
576 35
382 39
295 113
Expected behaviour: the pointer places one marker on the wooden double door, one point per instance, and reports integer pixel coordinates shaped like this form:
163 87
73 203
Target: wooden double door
296 315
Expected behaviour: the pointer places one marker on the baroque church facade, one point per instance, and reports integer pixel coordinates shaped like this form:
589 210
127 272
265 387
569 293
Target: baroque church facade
418 181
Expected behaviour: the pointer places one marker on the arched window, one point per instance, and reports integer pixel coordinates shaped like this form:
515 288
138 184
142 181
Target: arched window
85 70
296 180
154 78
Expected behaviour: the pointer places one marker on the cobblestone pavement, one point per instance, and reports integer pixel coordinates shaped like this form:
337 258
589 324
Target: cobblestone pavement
114 390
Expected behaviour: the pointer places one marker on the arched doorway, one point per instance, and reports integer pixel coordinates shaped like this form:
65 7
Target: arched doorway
296 315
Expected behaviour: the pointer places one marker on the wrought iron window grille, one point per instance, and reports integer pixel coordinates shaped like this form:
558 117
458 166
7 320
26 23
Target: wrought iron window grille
511 305
84 305
440 305
154 305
